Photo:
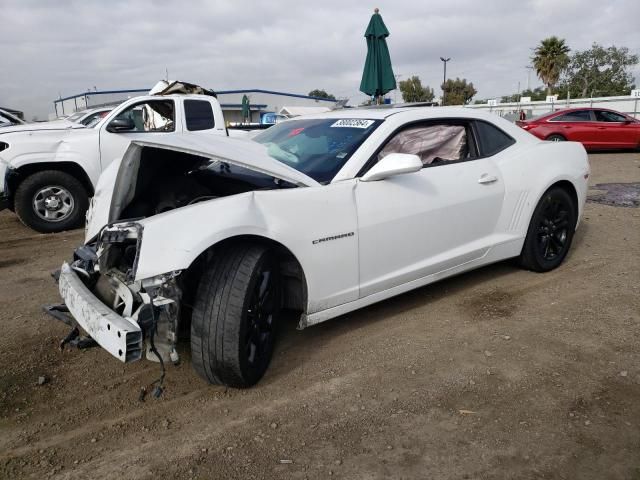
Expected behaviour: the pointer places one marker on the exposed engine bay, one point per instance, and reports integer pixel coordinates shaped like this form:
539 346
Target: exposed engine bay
166 180
158 309
107 268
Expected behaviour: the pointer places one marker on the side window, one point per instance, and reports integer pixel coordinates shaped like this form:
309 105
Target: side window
199 115
433 143
604 116
151 116
579 116
491 139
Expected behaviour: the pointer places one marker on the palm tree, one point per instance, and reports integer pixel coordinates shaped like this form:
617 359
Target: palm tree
550 59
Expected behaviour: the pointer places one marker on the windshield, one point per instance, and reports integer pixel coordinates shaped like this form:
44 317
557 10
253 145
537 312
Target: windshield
76 116
316 147
93 121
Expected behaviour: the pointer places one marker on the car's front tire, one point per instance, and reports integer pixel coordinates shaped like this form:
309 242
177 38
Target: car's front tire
550 232
51 201
235 315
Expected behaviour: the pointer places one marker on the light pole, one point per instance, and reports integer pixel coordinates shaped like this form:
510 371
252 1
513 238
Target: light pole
529 68
395 92
444 60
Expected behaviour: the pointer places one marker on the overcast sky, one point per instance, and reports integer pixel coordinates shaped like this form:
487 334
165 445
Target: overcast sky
52 48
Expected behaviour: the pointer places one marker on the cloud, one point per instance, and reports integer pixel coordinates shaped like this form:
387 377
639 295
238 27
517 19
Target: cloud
62 48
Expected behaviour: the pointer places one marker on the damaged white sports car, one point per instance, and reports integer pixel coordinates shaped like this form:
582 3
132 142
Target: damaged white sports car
319 215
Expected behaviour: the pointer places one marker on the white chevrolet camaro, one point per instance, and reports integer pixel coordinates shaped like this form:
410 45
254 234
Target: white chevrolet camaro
321 215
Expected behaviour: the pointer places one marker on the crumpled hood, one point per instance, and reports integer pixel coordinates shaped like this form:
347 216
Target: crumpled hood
236 151
113 184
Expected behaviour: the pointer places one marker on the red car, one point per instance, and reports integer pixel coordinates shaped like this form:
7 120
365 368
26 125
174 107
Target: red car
595 128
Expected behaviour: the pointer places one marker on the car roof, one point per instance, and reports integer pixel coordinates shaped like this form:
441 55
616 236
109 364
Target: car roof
383 113
576 109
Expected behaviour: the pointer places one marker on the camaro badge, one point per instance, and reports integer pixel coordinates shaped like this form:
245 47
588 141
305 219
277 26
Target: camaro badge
334 237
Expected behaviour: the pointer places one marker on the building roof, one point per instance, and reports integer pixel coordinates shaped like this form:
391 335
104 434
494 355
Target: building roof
295 111
218 92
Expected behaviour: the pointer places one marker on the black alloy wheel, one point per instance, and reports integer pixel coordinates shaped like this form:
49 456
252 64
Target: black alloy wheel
550 232
553 229
260 314
235 315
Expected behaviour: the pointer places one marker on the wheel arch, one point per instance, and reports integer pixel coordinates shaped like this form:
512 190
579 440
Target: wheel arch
295 282
570 188
17 175
564 184
556 134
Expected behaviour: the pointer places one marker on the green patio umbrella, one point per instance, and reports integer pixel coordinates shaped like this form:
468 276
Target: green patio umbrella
245 107
377 77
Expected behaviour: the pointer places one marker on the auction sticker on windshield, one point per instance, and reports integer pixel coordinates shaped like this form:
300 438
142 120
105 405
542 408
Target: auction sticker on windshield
352 123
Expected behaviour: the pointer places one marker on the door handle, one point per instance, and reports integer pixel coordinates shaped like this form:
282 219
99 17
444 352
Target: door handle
602 128
486 179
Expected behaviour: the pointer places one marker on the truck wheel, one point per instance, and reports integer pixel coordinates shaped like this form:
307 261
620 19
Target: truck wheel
235 315
51 201
550 232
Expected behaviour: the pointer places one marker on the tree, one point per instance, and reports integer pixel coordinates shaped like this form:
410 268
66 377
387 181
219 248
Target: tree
458 91
538 94
321 94
413 91
550 59
599 71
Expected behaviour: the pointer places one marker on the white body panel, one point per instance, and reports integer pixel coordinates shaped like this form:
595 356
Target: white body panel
429 221
93 149
382 237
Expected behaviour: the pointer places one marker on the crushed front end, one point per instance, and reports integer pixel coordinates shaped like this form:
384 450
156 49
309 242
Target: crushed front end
122 315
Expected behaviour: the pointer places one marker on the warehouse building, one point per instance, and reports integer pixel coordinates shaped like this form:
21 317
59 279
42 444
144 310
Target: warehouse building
260 102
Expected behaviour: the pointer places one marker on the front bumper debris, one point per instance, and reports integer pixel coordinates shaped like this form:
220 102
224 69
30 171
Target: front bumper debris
120 336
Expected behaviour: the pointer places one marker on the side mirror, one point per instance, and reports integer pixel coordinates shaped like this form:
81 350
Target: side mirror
627 122
121 124
391 165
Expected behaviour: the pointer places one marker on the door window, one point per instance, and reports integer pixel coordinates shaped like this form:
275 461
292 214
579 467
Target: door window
578 116
605 116
434 143
151 116
199 115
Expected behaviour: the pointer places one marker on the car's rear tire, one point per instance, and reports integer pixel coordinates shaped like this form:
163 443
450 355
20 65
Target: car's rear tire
550 232
235 315
51 201
555 138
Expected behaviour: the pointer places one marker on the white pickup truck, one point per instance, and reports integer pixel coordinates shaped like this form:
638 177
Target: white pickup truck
48 172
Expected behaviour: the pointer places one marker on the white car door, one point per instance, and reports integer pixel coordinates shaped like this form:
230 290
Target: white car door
421 223
144 120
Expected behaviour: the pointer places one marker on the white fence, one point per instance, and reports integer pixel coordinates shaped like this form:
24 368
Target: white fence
627 104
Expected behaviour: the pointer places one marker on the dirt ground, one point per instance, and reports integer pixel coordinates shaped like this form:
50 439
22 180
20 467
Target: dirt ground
495 374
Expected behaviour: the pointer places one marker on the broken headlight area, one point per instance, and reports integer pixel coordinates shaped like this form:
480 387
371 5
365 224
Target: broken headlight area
107 267
117 249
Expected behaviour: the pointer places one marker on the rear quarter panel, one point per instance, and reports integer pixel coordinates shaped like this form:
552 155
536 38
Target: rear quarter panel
530 171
